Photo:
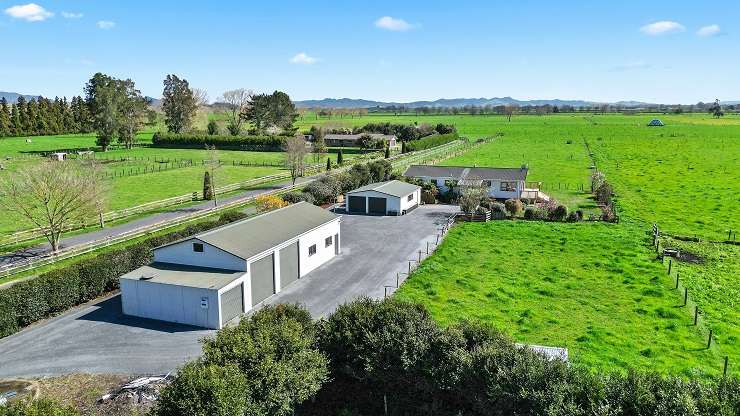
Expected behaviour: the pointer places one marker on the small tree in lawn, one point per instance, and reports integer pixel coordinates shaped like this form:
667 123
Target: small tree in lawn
403 147
604 193
328 164
295 155
214 164
212 128
207 186
339 158
54 196
387 152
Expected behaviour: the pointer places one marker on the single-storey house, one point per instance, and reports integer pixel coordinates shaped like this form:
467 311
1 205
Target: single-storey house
502 183
210 278
58 156
353 140
384 198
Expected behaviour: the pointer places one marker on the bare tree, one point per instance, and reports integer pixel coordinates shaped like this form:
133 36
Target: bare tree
509 111
54 196
201 96
237 101
295 155
214 164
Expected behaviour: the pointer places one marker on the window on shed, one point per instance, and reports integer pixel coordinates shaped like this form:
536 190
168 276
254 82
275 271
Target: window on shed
508 186
312 250
411 197
328 241
198 247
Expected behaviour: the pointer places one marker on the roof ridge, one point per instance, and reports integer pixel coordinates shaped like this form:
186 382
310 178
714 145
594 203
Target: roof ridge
245 220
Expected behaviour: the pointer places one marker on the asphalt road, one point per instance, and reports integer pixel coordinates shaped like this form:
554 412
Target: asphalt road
98 339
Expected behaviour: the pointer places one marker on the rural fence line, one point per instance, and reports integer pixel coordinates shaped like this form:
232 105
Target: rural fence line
62 254
672 269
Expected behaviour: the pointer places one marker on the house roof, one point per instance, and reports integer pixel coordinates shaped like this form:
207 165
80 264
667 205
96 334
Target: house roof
393 188
655 122
355 137
255 235
463 173
184 275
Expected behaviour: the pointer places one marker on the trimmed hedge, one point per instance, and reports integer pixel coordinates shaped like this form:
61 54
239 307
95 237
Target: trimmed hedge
58 290
431 141
199 141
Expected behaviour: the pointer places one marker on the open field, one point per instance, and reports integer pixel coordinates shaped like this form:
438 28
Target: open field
589 287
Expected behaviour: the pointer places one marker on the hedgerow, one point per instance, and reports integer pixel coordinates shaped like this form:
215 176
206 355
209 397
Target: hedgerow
200 139
56 291
430 141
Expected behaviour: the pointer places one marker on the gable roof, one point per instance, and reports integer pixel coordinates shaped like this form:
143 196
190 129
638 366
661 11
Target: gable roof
184 275
461 172
255 235
655 122
357 136
393 188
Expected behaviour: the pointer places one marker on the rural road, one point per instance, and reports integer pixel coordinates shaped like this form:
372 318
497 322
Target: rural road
18 257
98 338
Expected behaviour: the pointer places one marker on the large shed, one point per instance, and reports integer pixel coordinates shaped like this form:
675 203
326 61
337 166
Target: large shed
213 277
384 198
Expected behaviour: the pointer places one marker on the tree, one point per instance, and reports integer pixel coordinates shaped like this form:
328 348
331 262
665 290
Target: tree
716 109
237 101
319 144
257 112
403 147
387 152
54 196
269 202
295 155
201 97
472 195
207 186
179 104
214 164
5 128
115 106
274 110
340 158
328 164
132 109
212 128
509 111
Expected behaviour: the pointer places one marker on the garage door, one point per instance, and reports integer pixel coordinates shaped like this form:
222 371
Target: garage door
232 303
356 204
376 205
289 265
261 278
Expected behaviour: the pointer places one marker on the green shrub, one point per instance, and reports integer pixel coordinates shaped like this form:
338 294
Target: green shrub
558 213
498 211
604 193
199 140
535 213
295 197
40 407
430 141
573 217
514 207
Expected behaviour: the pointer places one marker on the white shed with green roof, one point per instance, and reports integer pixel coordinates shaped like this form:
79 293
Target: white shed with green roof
213 277
384 198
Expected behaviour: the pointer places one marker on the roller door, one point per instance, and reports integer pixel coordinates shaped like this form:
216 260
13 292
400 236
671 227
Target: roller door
289 265
261 279
356 204
377 205
232 303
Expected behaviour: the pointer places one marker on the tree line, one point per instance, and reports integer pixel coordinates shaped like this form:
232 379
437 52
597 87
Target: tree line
42 116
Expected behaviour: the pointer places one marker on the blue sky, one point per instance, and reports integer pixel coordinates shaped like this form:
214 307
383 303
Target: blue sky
657 51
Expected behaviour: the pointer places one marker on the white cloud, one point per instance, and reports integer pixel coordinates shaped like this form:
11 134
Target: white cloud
708 31
106 24
396 25
70 15
662 27
303 59
30 12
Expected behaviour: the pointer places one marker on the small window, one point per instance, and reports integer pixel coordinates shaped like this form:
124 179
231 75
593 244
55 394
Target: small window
508 186
198 247
328 241
411 197
312 250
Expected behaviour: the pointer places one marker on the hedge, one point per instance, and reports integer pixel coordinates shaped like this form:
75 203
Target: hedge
430 141
199 140
58 290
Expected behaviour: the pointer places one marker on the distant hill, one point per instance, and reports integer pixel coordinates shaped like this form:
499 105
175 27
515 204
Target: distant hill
450 102
13 96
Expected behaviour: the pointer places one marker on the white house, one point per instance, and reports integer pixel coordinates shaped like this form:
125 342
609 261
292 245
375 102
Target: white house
502 183
354 140
384 198
213 277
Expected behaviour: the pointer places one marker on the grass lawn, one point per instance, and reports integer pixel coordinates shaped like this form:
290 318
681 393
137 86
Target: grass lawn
589 287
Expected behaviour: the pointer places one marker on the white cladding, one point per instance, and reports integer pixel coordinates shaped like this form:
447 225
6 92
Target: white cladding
183 253
494 190
394 204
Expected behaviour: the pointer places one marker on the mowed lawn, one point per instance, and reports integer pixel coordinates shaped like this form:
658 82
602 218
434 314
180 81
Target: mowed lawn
590 287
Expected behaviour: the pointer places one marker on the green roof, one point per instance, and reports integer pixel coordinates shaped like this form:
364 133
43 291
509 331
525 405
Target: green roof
393 188
252 236
184 275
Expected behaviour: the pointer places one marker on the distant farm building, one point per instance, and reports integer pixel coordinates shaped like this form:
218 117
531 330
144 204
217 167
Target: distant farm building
355 140
384 198
655 123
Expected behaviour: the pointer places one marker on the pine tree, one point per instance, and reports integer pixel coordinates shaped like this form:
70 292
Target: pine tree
16 125
5 127
207 187
20 107
328 164
387 152
403 147
339 158
178 104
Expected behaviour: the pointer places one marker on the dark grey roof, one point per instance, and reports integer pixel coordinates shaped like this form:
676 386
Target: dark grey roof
357 136
655 122
184 275
462 172
252 236
393 188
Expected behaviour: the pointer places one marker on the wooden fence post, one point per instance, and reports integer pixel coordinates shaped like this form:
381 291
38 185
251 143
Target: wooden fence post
709 341
685 295
670 265
696 315
676 280
724 371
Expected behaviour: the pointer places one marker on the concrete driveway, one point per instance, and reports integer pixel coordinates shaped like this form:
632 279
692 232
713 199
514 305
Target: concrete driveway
99 339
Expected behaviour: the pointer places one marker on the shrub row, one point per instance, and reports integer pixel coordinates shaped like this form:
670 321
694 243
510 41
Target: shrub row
199 140
56 291
431 141
390 357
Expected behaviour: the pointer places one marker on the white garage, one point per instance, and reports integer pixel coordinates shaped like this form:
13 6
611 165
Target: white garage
384 198
211 278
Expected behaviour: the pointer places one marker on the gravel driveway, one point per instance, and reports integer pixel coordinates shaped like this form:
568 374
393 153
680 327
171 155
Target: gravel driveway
97 338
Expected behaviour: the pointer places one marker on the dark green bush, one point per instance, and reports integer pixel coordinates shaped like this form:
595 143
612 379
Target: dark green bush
295 197
498 211
535 213
514 207
199 140
431 141
40 407
558 213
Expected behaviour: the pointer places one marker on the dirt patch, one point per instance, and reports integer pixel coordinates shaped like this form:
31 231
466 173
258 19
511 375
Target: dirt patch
684 256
